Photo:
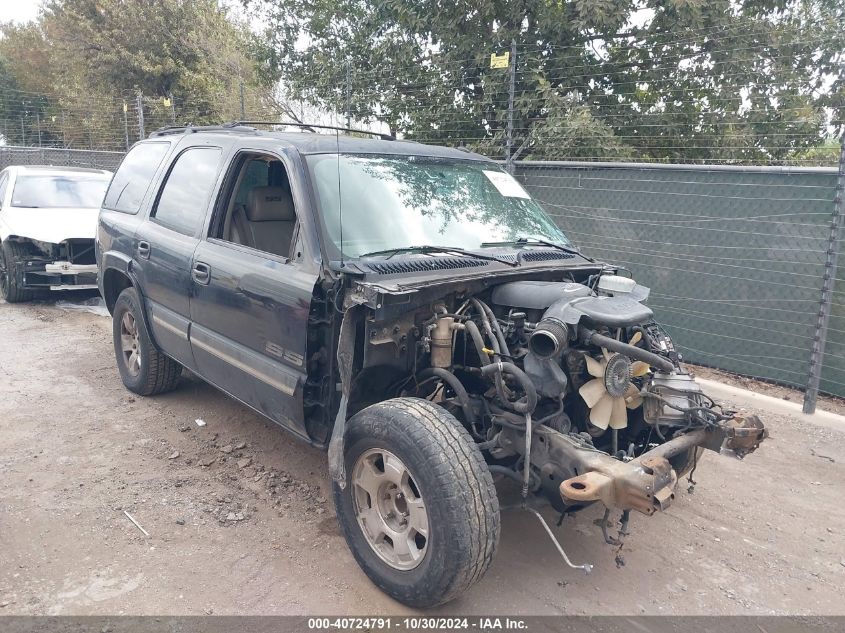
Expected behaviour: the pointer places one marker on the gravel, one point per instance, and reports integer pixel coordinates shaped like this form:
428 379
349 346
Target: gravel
252 531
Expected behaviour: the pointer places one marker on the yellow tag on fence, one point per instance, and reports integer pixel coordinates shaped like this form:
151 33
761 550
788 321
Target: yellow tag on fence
500 61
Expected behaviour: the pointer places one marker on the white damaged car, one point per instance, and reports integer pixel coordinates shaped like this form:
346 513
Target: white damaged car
48 220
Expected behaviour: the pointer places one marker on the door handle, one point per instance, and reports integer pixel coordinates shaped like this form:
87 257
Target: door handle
201 273
144 249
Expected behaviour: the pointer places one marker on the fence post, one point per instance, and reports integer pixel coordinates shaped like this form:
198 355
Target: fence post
23 133
139 101
828 281
126 124
511 91
243 101
348 93
38 123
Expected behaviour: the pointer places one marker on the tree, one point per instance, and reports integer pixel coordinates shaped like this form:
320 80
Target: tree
91 56
657 79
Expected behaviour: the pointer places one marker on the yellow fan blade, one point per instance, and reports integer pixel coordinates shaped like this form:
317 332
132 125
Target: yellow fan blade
619 414
594 367
632 397
636 338
593 391
600 414
639 368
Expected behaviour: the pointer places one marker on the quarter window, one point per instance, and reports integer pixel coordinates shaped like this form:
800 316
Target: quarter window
184 197
130 183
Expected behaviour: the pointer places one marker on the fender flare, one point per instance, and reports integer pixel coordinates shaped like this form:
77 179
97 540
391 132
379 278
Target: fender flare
112 260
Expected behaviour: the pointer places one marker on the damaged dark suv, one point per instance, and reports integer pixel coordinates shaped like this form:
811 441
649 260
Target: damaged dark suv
411 309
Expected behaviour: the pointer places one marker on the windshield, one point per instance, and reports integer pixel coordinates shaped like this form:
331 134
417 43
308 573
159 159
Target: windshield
394 202
57 191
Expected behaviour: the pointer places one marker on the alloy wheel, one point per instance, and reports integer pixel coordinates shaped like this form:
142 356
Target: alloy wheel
390 509
130 344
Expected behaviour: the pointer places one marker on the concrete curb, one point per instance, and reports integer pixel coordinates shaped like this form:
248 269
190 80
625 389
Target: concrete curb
743 397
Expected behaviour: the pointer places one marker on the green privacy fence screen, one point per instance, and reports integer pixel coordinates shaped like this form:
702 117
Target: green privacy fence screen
734 256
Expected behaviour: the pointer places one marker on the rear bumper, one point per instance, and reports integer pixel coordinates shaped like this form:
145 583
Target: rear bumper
60 275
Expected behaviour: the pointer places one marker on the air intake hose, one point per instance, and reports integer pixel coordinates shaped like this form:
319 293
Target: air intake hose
551 334
589 336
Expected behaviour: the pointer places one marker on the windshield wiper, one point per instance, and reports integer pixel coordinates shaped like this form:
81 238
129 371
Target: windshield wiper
525 241
430 249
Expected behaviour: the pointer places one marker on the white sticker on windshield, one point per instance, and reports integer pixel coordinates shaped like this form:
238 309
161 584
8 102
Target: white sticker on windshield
506 184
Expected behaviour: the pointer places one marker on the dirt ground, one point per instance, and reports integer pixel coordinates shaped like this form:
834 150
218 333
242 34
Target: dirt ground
825 402
238 520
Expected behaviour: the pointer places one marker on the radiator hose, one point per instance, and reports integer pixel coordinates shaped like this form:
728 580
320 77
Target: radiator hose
589 336
524 405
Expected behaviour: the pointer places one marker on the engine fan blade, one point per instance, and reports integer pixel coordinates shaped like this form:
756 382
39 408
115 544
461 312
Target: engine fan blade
594 367
619 414
593 391
633 399
636 338
601 413
639 368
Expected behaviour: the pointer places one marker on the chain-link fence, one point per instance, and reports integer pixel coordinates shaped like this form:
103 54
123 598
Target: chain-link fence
95 159
709 166
115 122
735 256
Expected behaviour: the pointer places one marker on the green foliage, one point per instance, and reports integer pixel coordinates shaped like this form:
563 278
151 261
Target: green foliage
755 80
825 154
91 56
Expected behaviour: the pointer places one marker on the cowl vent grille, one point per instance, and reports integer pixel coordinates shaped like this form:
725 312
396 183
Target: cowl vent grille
424 265
543 256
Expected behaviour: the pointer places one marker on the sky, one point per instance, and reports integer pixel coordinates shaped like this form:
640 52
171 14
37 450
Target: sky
18 10
26 10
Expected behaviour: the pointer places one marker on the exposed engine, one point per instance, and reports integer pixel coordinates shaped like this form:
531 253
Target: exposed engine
574 391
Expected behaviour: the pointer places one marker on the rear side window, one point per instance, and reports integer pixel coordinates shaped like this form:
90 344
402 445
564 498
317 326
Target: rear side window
130 183
184 197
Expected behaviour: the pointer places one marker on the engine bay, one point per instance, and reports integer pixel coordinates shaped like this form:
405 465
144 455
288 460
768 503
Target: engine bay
570 388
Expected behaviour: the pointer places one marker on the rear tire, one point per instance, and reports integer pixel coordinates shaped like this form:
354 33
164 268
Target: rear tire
11 255
419 484
143 369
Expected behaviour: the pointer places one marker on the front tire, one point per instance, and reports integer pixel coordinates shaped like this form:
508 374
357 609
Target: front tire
419 511
143 369
11 254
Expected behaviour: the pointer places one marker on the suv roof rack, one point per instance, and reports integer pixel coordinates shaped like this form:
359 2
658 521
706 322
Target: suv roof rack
312 127
249 126
189 128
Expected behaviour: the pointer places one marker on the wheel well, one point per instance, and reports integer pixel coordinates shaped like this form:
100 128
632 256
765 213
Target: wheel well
114 282
374 384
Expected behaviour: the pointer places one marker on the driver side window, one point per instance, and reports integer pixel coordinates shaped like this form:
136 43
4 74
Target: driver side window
258 211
